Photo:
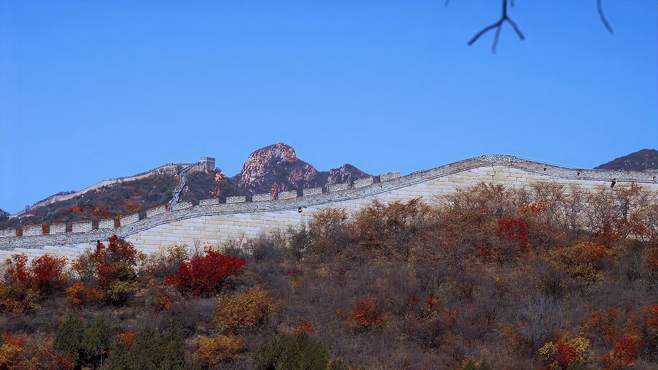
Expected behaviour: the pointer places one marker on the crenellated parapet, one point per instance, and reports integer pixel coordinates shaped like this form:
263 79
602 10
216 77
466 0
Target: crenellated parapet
213 220
284 195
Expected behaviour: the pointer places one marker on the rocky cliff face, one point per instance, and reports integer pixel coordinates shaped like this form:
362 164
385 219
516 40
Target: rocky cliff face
643 160
274 168
344 173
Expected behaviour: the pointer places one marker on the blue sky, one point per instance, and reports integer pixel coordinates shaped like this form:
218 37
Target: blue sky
97 89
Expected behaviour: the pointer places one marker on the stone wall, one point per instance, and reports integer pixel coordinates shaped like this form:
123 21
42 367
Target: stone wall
214 222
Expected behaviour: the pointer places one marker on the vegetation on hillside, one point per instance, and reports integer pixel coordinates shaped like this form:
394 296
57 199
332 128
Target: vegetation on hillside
107 202
490 278
642 160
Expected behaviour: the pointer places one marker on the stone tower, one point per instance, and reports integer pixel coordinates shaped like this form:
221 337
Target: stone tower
208 163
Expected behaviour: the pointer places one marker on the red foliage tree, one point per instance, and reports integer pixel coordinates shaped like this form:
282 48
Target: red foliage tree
17 271
206 275
565 354
625 352
114 262
366 314
515 230
651 316
48 272
111 269
303 327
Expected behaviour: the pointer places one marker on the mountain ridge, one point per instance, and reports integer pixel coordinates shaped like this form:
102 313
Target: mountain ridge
270 169
642 160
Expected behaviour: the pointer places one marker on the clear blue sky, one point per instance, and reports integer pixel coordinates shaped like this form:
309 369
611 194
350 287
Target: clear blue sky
97 89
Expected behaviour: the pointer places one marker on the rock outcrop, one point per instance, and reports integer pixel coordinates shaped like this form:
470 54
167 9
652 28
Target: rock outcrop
276 168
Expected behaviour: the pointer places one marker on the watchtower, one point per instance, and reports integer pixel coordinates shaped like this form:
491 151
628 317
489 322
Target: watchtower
208 163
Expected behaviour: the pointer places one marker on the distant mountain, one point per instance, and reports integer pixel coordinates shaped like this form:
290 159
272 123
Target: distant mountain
643 160
271 169
3 213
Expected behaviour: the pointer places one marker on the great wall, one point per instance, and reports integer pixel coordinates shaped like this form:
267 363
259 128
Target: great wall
239 217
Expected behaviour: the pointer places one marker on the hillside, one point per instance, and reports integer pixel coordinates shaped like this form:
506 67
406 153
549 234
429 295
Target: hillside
643 160
493 278
270 169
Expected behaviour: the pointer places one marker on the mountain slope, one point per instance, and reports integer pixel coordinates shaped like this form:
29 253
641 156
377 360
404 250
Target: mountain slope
645 159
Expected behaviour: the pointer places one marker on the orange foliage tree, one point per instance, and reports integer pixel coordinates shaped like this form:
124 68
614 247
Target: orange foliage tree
366 314
25 284
244 311
110 269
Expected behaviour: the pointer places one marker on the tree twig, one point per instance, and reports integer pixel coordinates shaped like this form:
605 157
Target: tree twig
498 26
604 20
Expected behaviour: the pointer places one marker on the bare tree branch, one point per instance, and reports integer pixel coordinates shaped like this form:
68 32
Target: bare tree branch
498 26
599 7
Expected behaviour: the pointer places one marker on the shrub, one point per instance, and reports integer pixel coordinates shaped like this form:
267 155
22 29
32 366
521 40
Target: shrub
38 353
366 314
48 273
625 352
18 293
514 230
566 353
391 229
327 232
111 269
11 348
290 352
603 326
212 351
476 365
166 262
25 285
582 260
206 275
87 343
303 327
150 350
243 311
78 294
17 270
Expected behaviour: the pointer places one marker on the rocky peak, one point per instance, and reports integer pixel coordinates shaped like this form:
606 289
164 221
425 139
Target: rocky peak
276 168
344 173
3 213
643 160
264 159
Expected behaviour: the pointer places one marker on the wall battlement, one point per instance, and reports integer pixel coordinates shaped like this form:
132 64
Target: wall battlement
213 222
